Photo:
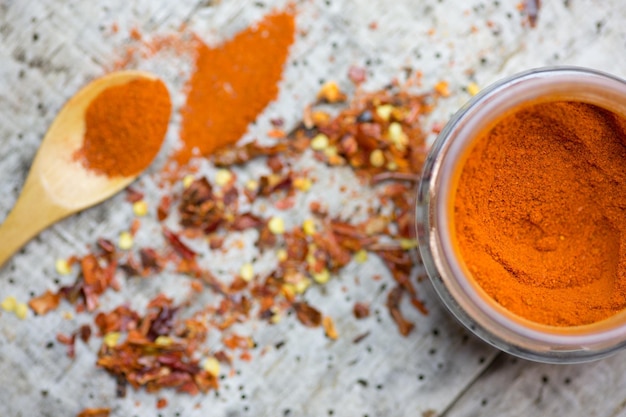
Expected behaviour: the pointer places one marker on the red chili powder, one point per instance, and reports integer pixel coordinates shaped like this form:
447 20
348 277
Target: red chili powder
125 127
233 83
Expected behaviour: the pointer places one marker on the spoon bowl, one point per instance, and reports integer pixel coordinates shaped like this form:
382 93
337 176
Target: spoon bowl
58 184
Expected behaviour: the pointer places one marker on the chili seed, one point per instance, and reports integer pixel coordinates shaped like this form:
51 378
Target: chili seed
62 267
125 241
140 208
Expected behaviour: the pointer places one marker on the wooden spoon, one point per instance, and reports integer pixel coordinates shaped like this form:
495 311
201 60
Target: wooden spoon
59 185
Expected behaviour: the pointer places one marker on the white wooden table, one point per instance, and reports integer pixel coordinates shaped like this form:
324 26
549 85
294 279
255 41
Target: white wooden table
49 49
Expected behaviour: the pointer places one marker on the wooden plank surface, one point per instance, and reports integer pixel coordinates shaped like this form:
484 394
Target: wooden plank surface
49 49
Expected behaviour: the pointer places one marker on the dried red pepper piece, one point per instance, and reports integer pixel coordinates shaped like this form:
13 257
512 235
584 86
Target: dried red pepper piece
95 412
309 316
361 310
393 304
46 302
181 249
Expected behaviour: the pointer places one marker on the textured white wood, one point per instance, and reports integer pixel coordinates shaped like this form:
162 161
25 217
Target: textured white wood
49 49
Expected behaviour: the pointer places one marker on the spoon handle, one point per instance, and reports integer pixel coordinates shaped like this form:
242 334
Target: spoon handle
33 212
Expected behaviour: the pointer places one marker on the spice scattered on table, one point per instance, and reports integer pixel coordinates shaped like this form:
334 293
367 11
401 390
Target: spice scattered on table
378 135
125 126
159 349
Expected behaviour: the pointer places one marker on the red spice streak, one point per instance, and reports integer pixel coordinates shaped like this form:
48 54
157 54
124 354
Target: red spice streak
233 83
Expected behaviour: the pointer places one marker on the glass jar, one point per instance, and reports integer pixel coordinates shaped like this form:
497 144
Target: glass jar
464 297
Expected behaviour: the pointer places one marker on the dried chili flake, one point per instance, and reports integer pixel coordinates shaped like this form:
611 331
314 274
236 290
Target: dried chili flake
179 247
150 260
357 74
161 403
69 342
236 341
329 328
121 319
95 412
163 208
45 302
246 221
106 246
84 333
361 310
393 304
309 316
236 155
133 195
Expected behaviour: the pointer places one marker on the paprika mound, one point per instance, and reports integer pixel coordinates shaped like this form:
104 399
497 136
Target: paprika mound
125 126
540 213
232 83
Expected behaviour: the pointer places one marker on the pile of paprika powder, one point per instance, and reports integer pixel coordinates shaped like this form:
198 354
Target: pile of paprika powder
540 213
125 127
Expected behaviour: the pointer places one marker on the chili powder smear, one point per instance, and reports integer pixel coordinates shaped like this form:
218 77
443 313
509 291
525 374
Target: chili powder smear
232 83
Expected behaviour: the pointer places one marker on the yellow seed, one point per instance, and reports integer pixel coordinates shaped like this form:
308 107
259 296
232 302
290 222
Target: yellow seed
397 136
384 111
473 89
377 159
308 226
223 177
301 286
212 366
276 225
407 244
288 290
252 185
9 304
392 166
330 151
247 272
302 183
140 208
188 180
321 277
111 339
67 315
361 256
125 241
21 310
62 267
310 259
281 254
319 142
163 341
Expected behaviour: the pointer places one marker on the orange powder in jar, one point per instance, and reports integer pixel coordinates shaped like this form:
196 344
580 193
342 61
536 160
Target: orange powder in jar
540 213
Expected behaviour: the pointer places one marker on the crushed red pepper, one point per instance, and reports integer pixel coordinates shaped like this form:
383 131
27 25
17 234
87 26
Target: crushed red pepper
158 351
378 135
